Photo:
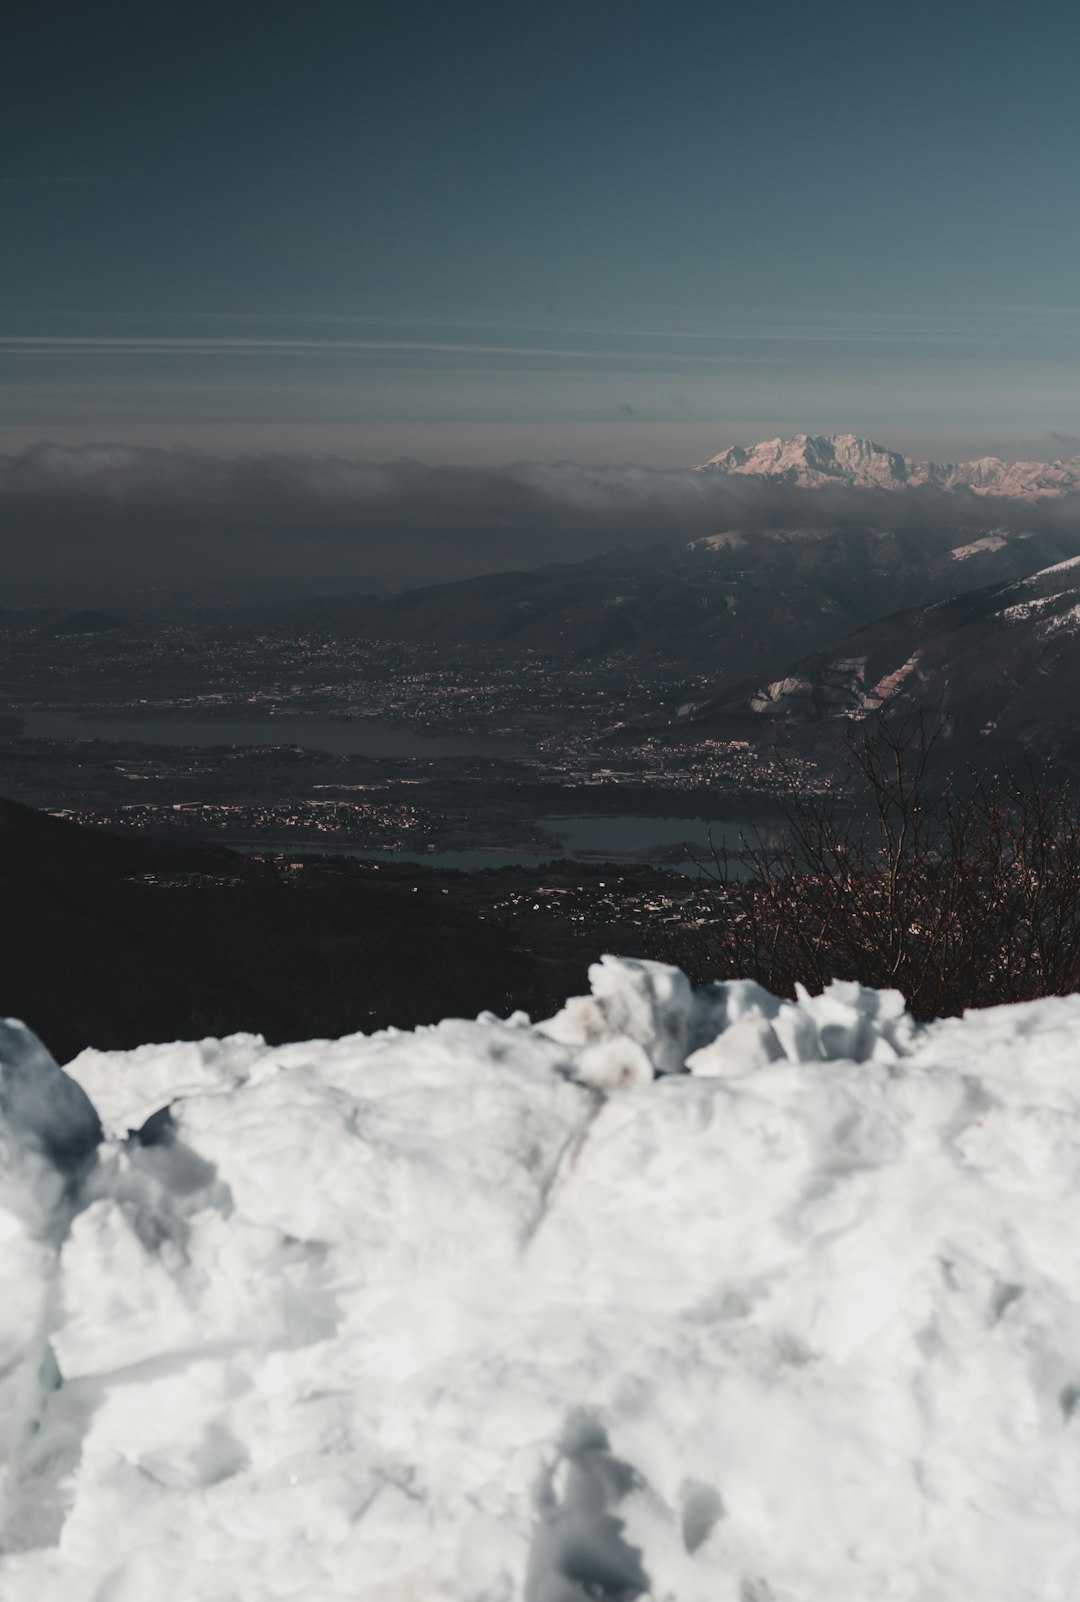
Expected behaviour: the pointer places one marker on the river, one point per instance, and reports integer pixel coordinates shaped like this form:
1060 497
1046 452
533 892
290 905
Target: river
339 736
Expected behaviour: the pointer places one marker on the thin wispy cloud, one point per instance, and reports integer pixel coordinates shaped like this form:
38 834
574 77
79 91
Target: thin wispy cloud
963 327
36 180
62 180
28 344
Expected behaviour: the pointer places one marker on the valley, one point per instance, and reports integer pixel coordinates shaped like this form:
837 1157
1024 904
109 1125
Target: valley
542 761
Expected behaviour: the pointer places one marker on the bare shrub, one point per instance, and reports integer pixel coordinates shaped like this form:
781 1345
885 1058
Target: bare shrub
956 899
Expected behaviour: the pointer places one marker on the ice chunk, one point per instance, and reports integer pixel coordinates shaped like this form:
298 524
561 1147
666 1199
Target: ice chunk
648 1003
847 1022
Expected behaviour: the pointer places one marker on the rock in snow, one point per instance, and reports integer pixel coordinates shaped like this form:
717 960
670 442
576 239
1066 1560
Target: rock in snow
679 1296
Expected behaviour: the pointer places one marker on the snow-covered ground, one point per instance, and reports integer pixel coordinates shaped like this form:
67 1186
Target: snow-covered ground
679 1296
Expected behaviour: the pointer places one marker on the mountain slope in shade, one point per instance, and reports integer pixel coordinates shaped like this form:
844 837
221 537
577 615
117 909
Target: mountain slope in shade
732 603
116 939
811 461
999 667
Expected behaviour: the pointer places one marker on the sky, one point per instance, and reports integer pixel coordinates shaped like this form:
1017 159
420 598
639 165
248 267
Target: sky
601 231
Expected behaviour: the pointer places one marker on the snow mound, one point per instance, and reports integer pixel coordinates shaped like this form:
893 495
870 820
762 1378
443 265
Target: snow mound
42 1111
675 1295
49 1133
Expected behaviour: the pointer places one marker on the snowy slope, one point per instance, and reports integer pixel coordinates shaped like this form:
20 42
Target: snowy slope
813 460
496 1311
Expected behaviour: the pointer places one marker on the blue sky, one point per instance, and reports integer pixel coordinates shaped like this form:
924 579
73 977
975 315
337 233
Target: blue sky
605 231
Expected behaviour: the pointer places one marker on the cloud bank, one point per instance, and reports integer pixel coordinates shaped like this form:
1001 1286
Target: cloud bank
94 518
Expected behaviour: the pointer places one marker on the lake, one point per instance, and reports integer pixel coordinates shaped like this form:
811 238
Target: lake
620 840
608 838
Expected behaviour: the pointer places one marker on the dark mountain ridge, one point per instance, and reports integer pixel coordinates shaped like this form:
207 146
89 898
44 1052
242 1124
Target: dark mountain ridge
732 603
112 941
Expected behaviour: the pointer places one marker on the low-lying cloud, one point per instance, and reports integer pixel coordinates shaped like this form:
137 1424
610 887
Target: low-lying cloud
94 518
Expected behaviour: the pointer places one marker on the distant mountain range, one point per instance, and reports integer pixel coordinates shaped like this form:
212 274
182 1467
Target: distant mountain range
811 461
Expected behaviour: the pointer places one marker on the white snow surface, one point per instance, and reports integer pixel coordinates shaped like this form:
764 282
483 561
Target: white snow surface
814 460
701 1297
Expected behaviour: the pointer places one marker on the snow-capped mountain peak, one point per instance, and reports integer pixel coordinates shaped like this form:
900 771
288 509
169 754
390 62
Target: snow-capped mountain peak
813 460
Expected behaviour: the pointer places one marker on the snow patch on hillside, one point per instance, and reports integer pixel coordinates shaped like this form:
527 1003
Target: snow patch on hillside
1021 611
698 1296
730 540
1066 622
988 542
1059 567
889 684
